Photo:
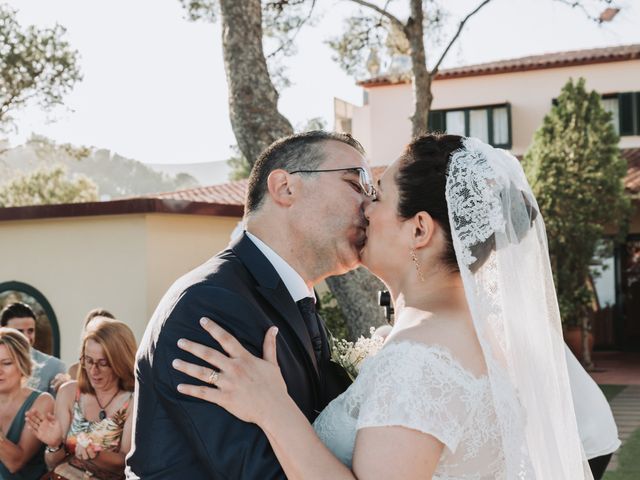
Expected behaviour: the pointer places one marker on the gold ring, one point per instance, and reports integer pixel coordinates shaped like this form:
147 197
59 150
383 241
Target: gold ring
213 377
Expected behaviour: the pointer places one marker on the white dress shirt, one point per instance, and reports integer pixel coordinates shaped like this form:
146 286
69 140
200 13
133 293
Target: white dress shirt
292 280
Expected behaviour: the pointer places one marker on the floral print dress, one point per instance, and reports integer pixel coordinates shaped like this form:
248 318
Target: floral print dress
103 435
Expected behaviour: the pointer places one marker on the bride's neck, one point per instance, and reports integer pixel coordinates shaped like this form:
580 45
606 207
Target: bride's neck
436 294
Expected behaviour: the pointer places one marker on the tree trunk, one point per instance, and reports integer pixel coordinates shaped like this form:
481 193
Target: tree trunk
256 122
421 77
253 100
586 351
357 295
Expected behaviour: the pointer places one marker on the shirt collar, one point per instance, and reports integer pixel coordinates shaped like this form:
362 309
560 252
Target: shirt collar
292 280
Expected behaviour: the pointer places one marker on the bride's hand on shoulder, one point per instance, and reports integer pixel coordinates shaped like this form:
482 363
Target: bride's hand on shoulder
237 379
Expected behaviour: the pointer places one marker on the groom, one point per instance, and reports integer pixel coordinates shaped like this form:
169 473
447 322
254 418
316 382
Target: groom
305 221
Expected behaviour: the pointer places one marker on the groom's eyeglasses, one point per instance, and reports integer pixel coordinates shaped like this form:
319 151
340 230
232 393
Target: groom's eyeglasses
364 178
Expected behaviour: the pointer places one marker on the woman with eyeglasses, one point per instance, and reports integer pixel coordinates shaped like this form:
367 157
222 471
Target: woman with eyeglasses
20 451
90 432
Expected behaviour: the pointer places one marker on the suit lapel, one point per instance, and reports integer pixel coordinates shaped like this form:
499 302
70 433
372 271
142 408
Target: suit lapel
272 288
283 303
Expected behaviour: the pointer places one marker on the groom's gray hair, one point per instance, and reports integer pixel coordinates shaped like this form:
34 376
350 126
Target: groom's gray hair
302 151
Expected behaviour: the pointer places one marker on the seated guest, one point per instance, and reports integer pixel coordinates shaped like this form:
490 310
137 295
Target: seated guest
45 367
90 432
72 373
21 453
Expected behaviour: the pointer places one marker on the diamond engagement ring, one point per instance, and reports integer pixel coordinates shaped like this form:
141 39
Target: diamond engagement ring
213 377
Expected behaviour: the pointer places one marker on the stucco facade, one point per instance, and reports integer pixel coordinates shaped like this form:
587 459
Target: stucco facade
123 263
525 88
383 125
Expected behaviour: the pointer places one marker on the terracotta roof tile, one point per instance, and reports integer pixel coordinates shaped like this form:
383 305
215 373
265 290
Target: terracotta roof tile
233 193
533 62
632 180
216 200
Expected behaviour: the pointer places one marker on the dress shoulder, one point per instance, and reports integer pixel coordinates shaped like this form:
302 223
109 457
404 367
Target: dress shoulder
420 387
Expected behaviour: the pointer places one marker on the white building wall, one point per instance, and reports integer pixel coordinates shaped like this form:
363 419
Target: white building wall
384 124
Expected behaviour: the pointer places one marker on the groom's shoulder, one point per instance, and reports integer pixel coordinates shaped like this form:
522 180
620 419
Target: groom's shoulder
222 274
221 284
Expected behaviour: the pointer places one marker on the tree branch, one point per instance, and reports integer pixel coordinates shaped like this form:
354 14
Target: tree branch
381 11
576 4
293 37
455 37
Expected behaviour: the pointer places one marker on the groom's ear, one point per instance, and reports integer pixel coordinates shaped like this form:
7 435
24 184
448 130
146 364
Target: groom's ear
423 229
281 187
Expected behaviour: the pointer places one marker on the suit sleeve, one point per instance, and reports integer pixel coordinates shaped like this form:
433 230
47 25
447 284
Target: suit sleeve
228 448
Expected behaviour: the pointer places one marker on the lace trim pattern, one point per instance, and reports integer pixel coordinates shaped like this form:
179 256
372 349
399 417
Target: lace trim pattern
421 387
473 198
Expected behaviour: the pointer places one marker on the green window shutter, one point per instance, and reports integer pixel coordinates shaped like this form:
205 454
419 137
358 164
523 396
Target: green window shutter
637 103
436 121
627 126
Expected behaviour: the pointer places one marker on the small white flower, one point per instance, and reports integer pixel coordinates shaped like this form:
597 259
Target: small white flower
350 355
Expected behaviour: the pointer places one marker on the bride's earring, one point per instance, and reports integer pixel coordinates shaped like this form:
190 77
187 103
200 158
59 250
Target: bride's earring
414 257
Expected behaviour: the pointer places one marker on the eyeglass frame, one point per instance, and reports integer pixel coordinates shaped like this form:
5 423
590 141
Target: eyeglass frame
99 364
368 188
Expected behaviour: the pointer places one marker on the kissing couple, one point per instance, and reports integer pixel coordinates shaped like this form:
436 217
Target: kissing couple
234 377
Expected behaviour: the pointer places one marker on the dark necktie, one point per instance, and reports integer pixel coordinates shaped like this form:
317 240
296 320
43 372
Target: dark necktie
307 307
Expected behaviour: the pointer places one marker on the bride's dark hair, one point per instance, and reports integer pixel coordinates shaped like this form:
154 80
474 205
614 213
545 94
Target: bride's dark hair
421 179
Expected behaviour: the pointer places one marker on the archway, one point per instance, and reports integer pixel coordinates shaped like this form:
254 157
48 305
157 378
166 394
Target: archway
47 330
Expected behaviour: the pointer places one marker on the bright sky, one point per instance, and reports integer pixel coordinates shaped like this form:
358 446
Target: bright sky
154 86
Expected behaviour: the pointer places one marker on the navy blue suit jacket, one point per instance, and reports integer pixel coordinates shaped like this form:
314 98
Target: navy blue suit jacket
176 436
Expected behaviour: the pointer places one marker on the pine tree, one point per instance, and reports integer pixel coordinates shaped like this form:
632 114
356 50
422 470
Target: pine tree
46 186
576 173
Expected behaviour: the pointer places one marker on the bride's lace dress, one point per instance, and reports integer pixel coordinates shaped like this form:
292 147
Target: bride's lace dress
422 387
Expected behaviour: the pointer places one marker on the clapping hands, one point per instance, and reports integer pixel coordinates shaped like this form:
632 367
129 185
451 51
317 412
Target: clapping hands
46 427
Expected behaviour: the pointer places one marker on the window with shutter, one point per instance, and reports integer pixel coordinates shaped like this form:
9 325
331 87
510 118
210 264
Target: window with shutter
490 123
628 125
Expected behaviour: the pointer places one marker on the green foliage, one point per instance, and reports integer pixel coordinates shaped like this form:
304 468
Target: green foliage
370 38
46 186
207 10
35 64
576 173
315 123
114 175
611 391
282 20
332 315
240 167
628 460
47 149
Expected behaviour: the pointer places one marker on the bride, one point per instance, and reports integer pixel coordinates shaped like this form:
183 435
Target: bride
471 383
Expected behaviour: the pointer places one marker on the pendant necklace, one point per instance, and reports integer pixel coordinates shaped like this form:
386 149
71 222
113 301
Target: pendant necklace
102 414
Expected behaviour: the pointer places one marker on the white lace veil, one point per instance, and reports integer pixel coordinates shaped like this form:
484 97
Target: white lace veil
501 246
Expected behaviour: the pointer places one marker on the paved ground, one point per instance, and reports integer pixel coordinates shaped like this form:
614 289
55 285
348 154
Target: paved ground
616 368
626 411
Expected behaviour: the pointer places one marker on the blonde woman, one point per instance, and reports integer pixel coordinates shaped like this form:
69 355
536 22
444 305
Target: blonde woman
21 455
91 429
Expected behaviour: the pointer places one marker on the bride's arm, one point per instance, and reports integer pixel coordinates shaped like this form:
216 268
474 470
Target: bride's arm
253 390
395 453
243 378
299 450
380 452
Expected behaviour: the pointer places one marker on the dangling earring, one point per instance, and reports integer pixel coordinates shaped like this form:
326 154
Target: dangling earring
414 257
